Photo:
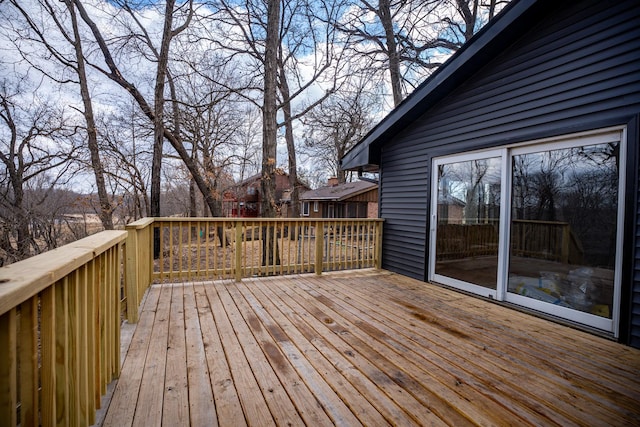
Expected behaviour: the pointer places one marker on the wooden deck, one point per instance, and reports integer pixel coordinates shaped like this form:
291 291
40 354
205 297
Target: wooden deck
362 347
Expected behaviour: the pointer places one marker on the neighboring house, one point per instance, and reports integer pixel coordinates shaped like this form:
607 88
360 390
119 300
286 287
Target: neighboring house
534 126
357 199
244 199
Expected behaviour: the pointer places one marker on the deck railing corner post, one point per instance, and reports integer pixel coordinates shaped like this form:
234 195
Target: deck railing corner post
379 230
131 274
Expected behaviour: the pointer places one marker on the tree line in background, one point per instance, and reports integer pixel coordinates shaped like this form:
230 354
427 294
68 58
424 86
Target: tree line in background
109 107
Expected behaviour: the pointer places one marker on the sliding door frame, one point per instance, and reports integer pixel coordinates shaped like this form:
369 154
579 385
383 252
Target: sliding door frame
506 154
450 281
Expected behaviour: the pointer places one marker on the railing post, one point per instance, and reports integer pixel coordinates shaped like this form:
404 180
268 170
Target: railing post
146 255
238 267
319 246
131 275
378 245
566 240
8 367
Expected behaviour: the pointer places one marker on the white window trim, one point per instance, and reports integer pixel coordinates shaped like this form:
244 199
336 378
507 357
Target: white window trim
305 212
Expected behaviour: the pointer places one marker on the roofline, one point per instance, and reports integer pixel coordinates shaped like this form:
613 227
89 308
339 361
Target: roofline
446 78
364 190
340 199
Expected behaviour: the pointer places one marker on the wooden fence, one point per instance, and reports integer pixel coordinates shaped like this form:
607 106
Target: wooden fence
60 315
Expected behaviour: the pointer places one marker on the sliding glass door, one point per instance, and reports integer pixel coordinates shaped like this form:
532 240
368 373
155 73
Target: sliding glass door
564 228
466 221
537 225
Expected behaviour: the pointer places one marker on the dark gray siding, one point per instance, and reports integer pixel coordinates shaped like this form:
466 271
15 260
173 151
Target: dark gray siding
577 70
404 195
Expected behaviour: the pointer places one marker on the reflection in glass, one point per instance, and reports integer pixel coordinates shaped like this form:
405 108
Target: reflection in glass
563 226
468 221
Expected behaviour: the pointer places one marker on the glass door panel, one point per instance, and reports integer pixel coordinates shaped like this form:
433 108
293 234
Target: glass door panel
563 229
467 219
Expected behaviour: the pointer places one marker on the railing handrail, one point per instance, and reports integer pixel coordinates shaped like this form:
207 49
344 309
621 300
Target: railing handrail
147 221
24 279
540 222
141 223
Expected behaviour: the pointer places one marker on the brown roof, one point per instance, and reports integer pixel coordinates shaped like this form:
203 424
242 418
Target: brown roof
339 192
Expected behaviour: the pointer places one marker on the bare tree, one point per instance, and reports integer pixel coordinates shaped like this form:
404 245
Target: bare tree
70 32
306 58
126 145
210 121
338 124
153 114
248 153
299 33
407 38
36 146
270 127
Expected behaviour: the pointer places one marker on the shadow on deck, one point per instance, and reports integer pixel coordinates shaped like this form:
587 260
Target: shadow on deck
362 347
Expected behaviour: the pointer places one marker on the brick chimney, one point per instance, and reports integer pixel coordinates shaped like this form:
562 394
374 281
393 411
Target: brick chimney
332 182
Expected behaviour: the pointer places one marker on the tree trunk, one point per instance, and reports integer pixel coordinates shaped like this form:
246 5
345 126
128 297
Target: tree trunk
384 7
22 222
158 121
106 210
270 128
294 208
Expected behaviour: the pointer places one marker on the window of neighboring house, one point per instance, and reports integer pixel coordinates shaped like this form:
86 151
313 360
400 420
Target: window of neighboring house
315 206
305 208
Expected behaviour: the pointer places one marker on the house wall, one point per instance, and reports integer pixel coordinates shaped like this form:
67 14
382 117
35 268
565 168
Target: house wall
577 70
372 210
369 196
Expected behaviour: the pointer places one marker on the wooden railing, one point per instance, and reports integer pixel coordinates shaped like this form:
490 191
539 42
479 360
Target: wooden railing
219 248
139 265
60 312
456 241
236 248
60 315
548 240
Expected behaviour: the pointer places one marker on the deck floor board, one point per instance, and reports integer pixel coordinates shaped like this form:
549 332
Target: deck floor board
364 347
